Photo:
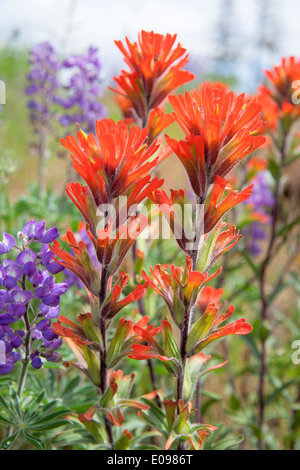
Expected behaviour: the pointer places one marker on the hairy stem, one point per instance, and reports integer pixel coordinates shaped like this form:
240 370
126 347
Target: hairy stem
103 365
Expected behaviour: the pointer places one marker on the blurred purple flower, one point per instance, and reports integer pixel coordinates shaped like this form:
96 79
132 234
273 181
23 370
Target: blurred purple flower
260 201
43 83
83 91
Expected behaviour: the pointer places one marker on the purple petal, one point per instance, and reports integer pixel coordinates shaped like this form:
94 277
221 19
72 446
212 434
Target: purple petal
9 282
12 269
6 368
27 256
41 292
49 335
29 229
36 362
50 235
42 325
40 229
22 296
52 300
60 288
6 319
54 268
16 309
29 269
7 244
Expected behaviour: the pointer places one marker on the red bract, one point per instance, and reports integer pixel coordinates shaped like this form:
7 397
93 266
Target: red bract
80 264
85 342
283 87
221 129
113 164
173 209
215 208
156 70
206 329
180 289
111 248
209 295
113 306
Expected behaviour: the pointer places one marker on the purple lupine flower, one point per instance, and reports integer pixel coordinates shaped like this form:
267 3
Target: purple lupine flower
37 231
260 201
26 281
48 261
8 242
43 83
83 91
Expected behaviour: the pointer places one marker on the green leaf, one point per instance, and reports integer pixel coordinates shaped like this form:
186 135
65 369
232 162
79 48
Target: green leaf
274 169
8 442
52 416
6 407
278 391
34 441
47 427
69 389
145 435
31 409
5 421
16 402
229 443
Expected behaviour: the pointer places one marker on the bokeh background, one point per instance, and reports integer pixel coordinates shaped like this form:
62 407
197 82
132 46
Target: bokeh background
226 39
232 41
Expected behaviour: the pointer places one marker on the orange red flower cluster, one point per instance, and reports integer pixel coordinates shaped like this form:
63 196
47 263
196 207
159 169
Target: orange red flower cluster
156 69
280 95
220 130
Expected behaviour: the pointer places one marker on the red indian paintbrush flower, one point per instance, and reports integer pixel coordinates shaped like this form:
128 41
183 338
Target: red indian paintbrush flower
156 70
80 264
180 289
84 340
206 329
113 305
209 295
111 249
113 165
221 129
215 207
282 86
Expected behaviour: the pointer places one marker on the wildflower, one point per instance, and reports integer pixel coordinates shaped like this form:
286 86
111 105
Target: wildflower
114 165
24 281
156 70
180 289
221 129
8 242
43 83
281 87
215 208
83 90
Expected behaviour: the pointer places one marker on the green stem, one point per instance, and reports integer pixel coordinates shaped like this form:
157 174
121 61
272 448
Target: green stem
23 375
103 365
